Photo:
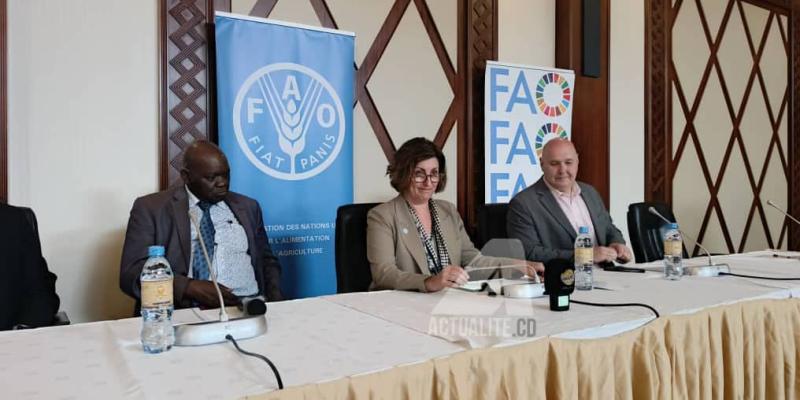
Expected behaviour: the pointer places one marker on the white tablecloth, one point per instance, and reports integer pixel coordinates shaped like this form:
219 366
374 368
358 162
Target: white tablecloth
309 340
332 337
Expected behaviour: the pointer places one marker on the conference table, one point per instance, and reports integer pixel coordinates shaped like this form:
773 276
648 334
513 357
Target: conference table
720 337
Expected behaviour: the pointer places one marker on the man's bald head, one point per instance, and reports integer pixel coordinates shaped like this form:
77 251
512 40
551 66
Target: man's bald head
199 151
206 171
560 164
556 146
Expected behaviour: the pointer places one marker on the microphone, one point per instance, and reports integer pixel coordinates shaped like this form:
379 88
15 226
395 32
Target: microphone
559 283
254 305
784 212
711 269
209 332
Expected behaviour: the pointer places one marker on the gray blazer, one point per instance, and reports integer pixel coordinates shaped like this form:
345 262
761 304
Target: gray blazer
535 218
396 253
163 219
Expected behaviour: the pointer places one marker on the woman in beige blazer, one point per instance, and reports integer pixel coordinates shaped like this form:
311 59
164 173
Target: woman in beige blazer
415 242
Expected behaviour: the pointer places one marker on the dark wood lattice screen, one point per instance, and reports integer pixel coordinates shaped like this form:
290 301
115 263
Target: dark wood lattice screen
671 101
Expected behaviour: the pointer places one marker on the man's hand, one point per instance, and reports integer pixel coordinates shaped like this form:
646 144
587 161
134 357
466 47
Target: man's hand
204 293
451 276
534 269
602 254
623 252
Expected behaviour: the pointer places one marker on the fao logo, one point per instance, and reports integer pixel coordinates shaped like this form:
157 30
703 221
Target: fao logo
289 121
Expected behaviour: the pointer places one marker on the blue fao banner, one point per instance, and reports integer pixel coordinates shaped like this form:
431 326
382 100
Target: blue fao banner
524 108
285 112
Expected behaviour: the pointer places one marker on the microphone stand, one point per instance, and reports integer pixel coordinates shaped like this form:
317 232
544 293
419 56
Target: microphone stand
710 269
782 211
209 332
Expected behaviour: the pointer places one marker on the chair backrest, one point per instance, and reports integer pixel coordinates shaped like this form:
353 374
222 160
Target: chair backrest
352 267
646 230
491 223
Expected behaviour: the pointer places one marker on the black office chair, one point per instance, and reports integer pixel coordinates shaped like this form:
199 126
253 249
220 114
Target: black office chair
61 317
646 230
491 223
352 267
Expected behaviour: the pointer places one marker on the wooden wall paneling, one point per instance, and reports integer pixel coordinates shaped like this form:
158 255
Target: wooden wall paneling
794 117
479 31
3 101
590 119
263 8
658 102
186 78
660 74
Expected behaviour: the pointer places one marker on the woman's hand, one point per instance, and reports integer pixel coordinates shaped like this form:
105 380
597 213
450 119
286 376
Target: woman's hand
451 276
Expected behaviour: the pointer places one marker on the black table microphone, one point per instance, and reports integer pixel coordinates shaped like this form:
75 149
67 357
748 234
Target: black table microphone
559 282
253 305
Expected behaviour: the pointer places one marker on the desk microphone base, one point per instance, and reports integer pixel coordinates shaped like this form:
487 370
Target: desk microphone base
523 290
706 270
210 332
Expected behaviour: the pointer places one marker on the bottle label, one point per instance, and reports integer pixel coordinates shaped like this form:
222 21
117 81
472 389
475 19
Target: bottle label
584 256
157 293
673 248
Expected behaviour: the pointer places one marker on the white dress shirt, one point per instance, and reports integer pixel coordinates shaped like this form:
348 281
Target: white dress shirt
231 261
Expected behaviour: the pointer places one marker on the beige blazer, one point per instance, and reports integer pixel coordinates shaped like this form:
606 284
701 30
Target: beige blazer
396 253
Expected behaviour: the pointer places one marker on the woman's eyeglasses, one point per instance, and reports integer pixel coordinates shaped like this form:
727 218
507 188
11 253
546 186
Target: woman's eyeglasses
421 177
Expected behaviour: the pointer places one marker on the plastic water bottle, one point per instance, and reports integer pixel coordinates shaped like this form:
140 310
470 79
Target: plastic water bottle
156 279
673 253
584 259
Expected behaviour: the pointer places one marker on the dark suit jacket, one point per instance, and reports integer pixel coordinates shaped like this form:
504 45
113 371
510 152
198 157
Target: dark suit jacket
163 219
535 218
27 288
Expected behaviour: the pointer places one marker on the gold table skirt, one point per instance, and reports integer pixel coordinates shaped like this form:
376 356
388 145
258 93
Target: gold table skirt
744 350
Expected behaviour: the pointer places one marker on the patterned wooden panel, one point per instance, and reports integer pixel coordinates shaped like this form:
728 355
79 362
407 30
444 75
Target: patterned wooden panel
3 102
479 33
660 163
658 127
186 88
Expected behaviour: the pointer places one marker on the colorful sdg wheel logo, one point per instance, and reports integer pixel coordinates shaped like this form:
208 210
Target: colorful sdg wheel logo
553 94
547 132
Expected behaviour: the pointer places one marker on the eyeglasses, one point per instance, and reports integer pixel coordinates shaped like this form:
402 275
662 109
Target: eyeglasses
421 177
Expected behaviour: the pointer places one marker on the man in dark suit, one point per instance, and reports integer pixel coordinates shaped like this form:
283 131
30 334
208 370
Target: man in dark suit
230 225
27 289
547 215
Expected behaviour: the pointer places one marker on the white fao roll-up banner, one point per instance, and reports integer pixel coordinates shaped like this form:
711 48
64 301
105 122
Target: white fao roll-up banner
524 108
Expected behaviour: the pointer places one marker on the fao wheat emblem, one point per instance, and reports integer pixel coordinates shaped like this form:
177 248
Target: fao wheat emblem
289 121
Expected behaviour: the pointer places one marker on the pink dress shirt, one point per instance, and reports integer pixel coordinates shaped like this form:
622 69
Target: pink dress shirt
574 208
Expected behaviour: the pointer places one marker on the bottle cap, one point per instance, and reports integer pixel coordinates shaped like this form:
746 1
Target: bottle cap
583 230
155 251
673 226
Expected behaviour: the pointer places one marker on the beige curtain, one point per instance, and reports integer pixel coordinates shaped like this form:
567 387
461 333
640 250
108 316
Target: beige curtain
744 350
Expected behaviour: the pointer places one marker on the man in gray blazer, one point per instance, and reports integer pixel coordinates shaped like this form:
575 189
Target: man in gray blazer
230 223
546 216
